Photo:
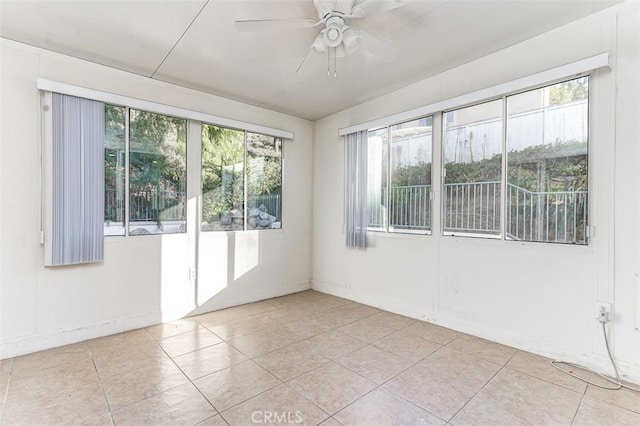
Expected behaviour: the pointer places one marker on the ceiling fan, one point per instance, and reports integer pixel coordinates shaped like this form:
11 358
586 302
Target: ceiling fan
336 37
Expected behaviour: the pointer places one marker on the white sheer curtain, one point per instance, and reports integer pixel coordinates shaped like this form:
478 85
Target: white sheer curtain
356 192
77 173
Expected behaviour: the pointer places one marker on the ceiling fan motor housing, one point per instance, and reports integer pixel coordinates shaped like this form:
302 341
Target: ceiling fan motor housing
333 32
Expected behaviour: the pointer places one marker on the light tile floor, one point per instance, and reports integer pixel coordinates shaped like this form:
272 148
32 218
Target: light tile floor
307 358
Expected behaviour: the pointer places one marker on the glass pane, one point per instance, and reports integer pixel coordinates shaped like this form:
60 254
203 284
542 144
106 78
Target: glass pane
222 179
411 157
473 162
114 176
157 173
547 138
377 167
264 181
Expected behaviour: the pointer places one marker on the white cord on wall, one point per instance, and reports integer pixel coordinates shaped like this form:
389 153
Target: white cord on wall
617 382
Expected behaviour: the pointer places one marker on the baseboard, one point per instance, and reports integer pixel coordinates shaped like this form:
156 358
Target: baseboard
598 363
255 295
37 342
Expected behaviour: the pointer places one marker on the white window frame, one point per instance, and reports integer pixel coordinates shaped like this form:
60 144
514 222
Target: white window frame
504 166
193 118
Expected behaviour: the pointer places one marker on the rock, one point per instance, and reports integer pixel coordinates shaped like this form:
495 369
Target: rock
276 225
264 223
254 212
262 207
226 219
139 231
253 222
263 215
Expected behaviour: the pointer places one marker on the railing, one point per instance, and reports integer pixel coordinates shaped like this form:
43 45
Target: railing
271 203
147 205
410 207
547 216
151 205
559 216
472 207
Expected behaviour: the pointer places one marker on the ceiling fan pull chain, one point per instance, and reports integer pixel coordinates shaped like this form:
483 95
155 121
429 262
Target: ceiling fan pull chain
329 62
335 63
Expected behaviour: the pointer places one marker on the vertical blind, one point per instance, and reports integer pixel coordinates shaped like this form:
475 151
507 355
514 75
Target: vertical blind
77 173
356 191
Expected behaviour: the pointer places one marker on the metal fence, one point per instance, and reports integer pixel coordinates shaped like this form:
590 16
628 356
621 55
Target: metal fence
146 205
410 207
152 205
474 207
271 203
547 216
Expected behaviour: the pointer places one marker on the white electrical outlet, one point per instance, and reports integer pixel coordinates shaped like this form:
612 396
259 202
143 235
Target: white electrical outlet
603 311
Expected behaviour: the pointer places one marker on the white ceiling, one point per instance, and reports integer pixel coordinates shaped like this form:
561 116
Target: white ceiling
194 43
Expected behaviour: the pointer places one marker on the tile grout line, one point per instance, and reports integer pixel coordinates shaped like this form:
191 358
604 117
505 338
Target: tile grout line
381 385
186 376
541 378
573 419
6 391
104 393
482 387
411 366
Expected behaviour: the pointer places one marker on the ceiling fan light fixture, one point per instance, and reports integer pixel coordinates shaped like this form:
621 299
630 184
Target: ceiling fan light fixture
351 38
319 43
357 13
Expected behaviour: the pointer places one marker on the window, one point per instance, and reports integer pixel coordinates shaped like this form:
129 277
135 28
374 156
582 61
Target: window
410 207
264 181
547 184
114 170
377 174
546 156
222 179
401 154
473 169
157 173
153 161
136 181
225 177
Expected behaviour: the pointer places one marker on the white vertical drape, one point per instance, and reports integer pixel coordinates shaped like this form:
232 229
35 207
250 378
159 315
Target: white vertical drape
356 191
77 173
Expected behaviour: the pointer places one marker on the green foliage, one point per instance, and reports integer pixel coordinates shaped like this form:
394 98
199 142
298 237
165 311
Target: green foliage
264 164
114 160
157 160
411 175
222 171
551 167
569 91
486 170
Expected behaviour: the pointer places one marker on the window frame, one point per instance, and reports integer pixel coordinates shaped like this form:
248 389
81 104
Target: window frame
504 178
245 175
443 173
387 229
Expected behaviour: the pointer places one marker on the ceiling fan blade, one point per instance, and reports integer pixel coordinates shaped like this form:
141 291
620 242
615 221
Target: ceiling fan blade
381 49
274 24
365 8
304 60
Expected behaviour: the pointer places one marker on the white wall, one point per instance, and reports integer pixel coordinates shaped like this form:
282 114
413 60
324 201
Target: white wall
143 279
538 297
